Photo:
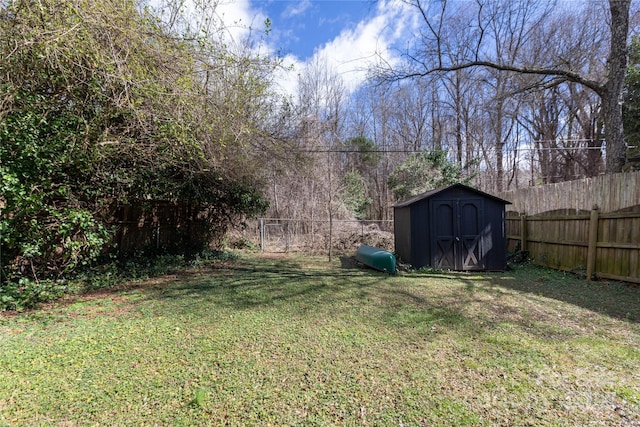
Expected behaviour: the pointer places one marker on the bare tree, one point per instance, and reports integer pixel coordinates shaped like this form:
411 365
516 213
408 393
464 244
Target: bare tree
585 125
412 110
371 114
501 31
542 123
308 187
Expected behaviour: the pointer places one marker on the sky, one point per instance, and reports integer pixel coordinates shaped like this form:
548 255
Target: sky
348 35
301 27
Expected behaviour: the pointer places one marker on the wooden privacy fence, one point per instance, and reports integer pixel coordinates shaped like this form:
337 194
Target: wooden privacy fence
158 226
600 245
611 192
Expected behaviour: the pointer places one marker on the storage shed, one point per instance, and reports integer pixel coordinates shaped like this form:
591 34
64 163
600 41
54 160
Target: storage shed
454 228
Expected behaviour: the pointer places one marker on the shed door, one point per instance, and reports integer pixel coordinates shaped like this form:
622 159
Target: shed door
470 232
456 228
443 232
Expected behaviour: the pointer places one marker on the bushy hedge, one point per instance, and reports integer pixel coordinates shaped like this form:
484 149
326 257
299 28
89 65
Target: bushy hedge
103 106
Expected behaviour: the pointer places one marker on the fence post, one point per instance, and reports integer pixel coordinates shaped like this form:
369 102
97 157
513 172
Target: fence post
593 242
523 232
262 234
287 236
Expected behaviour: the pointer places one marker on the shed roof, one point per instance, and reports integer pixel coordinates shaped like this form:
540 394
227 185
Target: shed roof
431 193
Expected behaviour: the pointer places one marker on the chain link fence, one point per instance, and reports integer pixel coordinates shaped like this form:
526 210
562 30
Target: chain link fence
317 236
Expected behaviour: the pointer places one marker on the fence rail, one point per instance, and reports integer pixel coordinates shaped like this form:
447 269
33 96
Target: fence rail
600 245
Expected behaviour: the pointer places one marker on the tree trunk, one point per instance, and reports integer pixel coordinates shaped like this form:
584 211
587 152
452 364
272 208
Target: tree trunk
459 136
612 91
330 205
499 184
594 156
458 108
616 147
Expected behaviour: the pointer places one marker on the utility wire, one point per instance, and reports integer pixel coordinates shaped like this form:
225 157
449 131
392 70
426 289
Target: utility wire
418 151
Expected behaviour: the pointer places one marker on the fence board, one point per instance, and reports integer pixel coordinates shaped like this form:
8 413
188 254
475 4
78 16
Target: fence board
157 226
611 192
562 242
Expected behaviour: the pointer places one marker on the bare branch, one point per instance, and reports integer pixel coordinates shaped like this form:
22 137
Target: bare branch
565 75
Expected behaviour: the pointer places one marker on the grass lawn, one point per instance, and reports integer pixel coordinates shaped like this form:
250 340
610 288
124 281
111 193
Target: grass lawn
295 340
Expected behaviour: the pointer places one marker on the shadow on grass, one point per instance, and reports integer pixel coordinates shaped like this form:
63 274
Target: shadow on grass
614 299
285 288
300 286
248 284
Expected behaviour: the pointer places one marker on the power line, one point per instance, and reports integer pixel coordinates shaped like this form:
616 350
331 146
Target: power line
358 151
418 151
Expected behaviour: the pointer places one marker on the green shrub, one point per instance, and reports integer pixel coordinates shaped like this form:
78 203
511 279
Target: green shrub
25 293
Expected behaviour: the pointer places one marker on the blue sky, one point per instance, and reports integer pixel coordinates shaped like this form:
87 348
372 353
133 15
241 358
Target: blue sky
301 27
346 35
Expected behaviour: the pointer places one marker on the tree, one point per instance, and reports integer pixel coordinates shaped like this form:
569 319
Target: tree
631 109
423 171
102 104
507 27
360 163
381 121
414 112
360 154
354 194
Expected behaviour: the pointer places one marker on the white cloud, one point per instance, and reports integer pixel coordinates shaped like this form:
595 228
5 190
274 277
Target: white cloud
231 20
286 78
239 19
295 9
350 53
354 50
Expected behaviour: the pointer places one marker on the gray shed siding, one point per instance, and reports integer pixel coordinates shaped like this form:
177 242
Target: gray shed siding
402 227
420 228
456 227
